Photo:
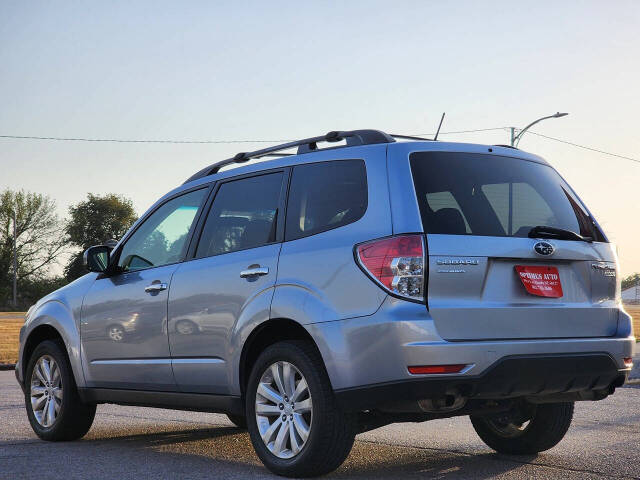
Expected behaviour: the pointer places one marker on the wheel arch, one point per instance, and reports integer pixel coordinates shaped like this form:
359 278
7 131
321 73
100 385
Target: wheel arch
36 337
267 333
53 321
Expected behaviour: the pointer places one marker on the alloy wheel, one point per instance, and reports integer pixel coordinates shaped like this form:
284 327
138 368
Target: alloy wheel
284 409
46 391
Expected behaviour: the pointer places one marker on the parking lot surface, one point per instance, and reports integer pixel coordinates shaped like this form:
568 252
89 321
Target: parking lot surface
146 443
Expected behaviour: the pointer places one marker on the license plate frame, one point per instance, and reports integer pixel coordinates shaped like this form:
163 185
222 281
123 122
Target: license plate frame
540 280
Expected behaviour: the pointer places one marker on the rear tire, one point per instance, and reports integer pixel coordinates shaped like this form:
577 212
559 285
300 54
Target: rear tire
308 434
68 418
547 425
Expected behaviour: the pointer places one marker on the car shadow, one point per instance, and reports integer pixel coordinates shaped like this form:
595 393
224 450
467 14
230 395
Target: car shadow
158 439
230 447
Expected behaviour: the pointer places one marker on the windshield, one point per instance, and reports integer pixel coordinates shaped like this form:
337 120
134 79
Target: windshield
478 194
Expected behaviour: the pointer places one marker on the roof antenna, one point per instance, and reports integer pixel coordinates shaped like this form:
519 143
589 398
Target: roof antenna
441 119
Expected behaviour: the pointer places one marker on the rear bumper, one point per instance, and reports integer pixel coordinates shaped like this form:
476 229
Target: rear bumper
373 352
510 377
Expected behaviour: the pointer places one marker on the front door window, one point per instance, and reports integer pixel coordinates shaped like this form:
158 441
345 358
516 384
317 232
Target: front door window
162 238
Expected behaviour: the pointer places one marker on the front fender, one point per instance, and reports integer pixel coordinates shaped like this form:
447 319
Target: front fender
66 322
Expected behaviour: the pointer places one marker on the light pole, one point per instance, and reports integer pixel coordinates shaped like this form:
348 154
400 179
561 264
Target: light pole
15 260
515 139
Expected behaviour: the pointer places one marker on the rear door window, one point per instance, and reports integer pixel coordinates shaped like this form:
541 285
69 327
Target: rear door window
244 214
324 196
479 194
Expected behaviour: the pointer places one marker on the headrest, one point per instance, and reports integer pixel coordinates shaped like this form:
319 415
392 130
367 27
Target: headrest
448 220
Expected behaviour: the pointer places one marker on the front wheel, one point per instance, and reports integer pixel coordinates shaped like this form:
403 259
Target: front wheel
537 428
54 407
294 422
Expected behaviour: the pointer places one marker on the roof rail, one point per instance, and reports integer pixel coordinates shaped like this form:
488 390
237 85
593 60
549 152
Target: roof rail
353 138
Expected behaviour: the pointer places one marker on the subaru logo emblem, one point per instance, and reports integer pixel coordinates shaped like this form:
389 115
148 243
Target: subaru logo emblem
543 248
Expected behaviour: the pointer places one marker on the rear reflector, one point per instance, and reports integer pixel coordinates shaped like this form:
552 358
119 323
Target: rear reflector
436 369
628 362
396 263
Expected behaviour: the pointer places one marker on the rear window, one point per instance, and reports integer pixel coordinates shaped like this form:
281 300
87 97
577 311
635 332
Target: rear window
324 196
478 194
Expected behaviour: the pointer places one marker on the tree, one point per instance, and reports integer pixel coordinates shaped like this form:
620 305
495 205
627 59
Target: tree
39 238
630 281
93 222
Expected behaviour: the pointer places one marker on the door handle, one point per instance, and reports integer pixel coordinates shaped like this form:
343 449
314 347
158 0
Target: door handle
155 287
254 272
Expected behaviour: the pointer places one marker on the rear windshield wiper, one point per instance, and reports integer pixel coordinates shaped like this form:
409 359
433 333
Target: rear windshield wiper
542 231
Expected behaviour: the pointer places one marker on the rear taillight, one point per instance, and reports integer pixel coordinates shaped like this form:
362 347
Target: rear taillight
397 263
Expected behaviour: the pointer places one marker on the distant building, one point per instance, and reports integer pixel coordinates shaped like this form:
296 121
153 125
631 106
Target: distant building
631 294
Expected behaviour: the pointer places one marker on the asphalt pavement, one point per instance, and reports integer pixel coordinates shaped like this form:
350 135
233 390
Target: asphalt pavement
147 443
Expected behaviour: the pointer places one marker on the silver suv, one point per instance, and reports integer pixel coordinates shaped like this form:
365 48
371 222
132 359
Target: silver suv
314 296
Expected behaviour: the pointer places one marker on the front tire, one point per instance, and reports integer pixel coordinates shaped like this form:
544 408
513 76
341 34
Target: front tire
540 429
295 424
54 408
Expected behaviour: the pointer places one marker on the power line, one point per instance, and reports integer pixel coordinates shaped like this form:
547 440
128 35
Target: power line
121 140
544 136
461 131
584 147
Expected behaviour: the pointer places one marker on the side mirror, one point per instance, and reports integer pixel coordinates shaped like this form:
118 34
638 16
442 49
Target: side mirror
135 262
96 258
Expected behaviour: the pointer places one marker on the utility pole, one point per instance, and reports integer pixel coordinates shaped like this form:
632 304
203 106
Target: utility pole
15 260
515 139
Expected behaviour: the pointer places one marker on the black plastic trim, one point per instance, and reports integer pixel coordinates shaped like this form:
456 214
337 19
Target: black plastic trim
174 400
510 377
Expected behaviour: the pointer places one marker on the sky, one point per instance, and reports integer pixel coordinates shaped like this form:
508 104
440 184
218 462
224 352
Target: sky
286 70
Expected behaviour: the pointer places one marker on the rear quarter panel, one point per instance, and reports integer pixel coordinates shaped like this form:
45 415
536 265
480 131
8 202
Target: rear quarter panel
318 278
